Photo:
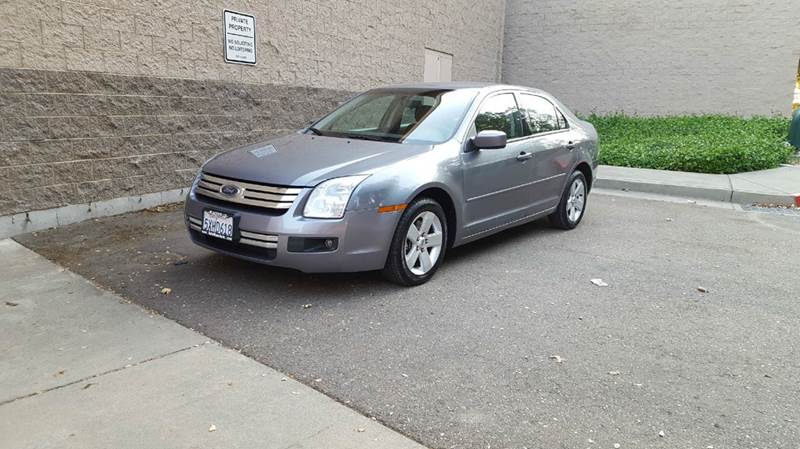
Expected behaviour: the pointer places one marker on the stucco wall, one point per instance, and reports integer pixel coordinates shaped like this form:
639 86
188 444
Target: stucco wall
109 98
654 57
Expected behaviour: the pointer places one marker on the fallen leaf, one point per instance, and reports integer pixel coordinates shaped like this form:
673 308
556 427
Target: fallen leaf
661 434
12 304
306 306
86 387
59 373
599 283
180 262
614 373
361 429
557 358
166 291
702 289
212 428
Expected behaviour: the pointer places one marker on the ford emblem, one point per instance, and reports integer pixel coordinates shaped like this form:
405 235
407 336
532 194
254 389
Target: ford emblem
230 190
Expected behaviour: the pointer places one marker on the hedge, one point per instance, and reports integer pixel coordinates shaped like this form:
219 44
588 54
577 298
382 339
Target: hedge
704 144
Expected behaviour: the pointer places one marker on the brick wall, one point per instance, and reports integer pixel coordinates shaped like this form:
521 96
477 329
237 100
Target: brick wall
682 56
110 98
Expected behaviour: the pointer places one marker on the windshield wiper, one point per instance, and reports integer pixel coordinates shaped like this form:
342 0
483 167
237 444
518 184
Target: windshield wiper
315 131
368 137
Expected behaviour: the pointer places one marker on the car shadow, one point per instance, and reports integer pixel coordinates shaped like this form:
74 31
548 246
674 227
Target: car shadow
231 271
499 241
235 271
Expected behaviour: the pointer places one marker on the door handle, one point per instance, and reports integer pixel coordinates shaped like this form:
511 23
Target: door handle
524 156
570 145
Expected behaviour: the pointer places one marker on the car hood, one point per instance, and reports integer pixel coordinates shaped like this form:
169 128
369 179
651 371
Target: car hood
304 160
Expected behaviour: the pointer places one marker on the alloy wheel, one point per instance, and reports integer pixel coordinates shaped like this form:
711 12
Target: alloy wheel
423 244
576 200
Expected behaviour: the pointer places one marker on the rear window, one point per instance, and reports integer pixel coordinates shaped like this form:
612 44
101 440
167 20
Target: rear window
540 116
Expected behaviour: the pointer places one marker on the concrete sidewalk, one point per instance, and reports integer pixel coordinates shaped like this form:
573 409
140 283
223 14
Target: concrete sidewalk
82 368
779 186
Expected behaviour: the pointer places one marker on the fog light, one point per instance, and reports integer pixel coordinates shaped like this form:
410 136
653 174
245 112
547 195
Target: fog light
312 245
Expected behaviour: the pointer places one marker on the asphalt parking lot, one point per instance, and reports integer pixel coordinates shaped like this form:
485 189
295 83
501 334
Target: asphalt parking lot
510 345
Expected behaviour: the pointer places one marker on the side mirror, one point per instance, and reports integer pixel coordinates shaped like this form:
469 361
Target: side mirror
489 140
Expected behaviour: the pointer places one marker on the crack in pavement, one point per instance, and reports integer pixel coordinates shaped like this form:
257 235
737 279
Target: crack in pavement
98 375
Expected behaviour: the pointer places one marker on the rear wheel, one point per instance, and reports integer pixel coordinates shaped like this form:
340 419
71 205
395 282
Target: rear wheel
570 209
418 244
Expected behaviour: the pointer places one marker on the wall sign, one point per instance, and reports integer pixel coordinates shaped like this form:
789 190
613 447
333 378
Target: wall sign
240 37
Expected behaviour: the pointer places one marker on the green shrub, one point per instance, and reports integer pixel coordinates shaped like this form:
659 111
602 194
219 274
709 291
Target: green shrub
704 144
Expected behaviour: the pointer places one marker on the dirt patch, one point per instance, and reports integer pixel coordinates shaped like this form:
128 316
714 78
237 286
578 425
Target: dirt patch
86 247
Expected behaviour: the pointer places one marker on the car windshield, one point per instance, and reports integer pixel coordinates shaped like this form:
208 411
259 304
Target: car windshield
399 115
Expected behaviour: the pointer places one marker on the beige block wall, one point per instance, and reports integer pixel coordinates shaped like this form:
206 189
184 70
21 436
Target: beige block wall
103 99
343 44
653 57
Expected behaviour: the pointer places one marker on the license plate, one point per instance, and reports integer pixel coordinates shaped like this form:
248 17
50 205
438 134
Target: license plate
219 225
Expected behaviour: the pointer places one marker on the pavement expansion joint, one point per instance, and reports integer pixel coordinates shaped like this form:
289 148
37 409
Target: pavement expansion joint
98 375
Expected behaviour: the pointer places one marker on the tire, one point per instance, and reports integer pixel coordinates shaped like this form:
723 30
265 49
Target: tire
565 217
421 212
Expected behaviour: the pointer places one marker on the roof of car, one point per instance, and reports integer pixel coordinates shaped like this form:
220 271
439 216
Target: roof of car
454 85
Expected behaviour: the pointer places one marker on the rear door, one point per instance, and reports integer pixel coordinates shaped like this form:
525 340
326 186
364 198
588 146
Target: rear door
548 139
495 181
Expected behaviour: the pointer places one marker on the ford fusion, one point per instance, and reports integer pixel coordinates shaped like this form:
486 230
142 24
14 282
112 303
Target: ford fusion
394 178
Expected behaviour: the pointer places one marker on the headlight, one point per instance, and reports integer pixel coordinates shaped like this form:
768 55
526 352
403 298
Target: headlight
329 198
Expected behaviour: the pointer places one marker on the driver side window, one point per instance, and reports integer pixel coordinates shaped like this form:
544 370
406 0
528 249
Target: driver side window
500 113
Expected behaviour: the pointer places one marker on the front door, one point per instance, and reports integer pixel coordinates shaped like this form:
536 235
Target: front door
495 180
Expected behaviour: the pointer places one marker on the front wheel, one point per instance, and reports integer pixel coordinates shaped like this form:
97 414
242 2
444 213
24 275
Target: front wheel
418 245
570 209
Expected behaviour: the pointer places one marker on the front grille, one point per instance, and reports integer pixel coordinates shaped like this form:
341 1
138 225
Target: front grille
268 241
249 194
265 254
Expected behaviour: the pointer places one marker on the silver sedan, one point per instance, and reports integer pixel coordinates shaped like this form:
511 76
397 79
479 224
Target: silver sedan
395 177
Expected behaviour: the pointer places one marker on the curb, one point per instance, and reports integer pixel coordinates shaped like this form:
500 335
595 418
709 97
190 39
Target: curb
765 199
22 223
702 193
702 187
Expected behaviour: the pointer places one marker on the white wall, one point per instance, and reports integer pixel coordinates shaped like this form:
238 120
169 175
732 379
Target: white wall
657 57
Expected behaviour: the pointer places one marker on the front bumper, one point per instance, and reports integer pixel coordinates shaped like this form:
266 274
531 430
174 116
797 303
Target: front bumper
363 236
